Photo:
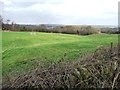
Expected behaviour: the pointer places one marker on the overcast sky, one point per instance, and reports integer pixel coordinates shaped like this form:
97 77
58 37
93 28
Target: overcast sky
81 12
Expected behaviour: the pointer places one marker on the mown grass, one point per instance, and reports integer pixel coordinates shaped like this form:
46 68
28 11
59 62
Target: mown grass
21 50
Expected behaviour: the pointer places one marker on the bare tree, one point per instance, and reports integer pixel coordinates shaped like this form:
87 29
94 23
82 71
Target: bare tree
7 24
13 26
1 21
8 21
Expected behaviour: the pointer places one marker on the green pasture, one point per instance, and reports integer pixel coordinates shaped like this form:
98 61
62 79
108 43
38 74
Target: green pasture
22 51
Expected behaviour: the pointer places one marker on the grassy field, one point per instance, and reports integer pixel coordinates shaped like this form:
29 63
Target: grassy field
22 51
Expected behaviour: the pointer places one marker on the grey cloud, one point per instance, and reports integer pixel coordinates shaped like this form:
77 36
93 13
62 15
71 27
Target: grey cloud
1 8
21 4
45 16
26 3
34 17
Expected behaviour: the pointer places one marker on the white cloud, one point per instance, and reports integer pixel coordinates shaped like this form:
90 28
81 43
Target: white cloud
70 9
6 2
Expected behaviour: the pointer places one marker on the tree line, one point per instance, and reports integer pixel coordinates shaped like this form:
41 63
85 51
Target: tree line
66 29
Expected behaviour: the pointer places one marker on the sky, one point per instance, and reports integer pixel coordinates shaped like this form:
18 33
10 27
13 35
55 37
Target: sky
69 12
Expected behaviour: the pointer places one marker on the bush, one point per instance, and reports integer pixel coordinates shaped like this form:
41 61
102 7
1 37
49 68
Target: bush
100 69
87 30
80 30
110 30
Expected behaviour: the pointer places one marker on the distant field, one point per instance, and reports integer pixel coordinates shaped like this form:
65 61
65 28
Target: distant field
21 51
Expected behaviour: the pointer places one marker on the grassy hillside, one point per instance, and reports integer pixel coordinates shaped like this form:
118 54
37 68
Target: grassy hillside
22 51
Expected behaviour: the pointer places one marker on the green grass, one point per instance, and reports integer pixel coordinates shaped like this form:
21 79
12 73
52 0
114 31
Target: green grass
21 51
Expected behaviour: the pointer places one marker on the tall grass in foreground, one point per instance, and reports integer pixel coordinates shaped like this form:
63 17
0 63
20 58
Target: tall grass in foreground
100 69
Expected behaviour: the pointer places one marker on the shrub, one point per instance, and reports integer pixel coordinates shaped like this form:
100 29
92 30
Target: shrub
87 30
100 69
80 30
110 30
